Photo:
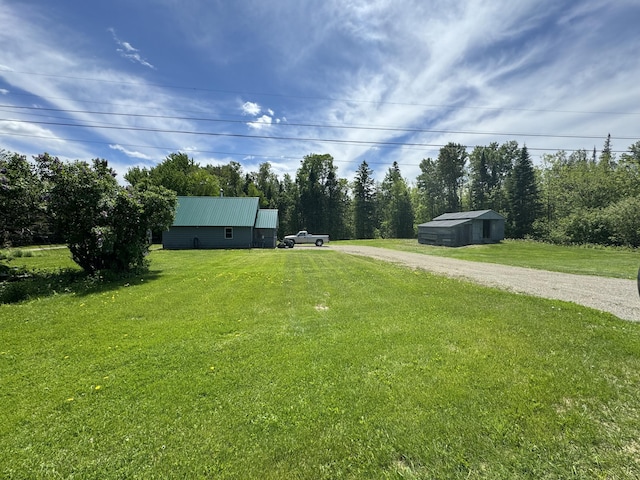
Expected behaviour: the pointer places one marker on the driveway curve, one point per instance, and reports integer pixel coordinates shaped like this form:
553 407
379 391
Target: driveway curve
613 295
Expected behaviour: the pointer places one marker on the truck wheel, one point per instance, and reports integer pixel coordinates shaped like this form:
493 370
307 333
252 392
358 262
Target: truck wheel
319 242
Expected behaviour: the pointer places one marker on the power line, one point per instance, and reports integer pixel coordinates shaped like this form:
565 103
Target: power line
173 149
423 146
310 125
246 136
311 97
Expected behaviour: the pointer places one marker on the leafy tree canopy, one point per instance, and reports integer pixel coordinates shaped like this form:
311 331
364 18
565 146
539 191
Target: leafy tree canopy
105 225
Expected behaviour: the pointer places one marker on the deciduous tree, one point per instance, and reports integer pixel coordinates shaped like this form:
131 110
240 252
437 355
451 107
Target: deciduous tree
106 226
22 214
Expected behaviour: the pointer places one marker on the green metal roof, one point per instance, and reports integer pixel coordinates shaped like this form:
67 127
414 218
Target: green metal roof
267 219
216 212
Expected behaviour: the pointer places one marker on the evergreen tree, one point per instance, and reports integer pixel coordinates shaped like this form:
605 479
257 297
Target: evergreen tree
607 157
523 196
450 170
431 191
364 202
397 209
480 179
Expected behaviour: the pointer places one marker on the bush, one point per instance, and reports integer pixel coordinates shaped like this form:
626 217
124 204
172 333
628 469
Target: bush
589 226
105 225
625 219
13 292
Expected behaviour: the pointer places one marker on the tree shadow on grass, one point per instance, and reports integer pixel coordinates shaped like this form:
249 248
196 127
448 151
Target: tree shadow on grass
18 285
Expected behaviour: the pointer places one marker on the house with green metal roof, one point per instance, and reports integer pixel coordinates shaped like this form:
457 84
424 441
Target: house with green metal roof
463 228
221 222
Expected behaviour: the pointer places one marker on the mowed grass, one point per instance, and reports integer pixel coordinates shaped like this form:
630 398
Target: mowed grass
310 364
581 260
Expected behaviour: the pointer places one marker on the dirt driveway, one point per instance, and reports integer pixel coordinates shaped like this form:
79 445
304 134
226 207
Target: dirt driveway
613 295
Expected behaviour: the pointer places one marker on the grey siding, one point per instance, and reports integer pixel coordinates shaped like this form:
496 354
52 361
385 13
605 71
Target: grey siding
463 228
437 236
265 238
180 238
459 235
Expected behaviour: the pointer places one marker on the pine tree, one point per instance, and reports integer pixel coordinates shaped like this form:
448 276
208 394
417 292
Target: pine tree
480 179
523 196
397 209
364 202
450 169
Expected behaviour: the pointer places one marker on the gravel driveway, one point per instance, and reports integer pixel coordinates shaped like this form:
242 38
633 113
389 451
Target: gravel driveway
613 295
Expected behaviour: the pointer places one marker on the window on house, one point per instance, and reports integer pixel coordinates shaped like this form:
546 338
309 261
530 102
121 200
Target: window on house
228 232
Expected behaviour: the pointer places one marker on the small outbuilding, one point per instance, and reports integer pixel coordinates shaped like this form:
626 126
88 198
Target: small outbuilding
221 222
463 228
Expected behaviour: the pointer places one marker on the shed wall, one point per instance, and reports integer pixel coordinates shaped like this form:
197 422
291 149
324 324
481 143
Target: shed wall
437 236
265 238
181 238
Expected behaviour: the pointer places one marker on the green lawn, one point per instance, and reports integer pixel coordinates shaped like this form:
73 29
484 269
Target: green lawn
310 364
600 261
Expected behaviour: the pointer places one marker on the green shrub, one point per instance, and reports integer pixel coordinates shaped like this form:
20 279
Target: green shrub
625 219
14 292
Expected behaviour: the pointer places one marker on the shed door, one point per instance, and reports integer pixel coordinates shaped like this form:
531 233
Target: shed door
467 235
486 229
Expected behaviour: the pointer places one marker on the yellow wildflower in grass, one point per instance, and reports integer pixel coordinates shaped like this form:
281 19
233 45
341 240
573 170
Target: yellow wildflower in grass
98 387
70 399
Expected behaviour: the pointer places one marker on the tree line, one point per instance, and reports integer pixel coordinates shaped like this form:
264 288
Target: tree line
575 198
579 197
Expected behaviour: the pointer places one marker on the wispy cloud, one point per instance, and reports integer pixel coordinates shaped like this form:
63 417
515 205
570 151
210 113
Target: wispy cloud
131 153
434 71
126 50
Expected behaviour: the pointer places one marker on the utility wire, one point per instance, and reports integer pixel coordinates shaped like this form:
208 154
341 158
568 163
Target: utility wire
310 97
308 125
241 135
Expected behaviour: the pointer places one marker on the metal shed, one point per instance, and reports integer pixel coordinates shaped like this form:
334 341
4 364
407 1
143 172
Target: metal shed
463 228
218 222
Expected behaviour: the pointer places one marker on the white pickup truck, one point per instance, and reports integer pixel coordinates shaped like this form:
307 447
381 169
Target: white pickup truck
305 237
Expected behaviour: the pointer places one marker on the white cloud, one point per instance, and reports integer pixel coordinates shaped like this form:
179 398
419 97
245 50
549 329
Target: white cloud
261 122
251 108
126 50
4 91
462 66
127 46
130 153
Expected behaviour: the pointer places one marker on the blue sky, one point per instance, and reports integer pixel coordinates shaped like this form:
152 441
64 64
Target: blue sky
274 80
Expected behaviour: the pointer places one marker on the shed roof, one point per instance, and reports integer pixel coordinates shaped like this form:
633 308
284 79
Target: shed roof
267 218
474 214
444 223
216 212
